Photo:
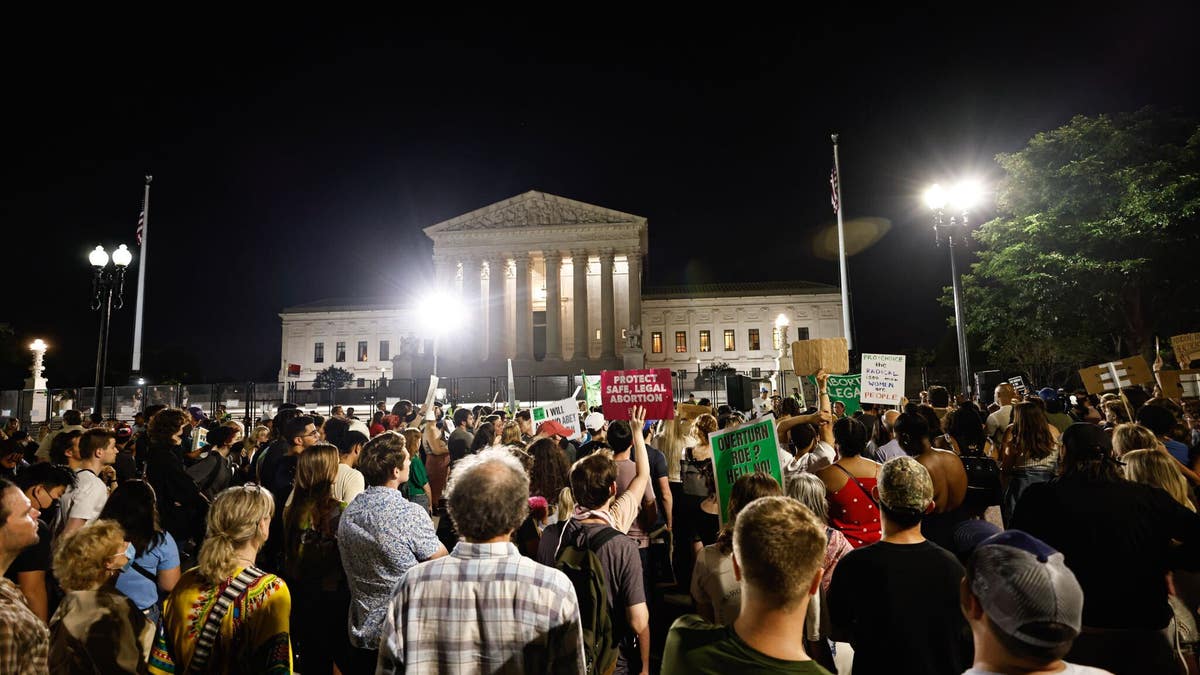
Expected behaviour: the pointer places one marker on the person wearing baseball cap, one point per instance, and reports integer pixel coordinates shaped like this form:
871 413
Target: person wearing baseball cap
1120 538
897 601
597 428
1024 606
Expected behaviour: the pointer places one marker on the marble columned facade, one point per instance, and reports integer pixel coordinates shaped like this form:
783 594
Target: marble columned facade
552 283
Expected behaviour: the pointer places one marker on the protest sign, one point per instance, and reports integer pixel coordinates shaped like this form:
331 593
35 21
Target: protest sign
882 379
620 390
591 384
741 451
690 411
431 393
1018 384
809 356
1127 372
199 438
1180 383
565 412
844 388
1187 348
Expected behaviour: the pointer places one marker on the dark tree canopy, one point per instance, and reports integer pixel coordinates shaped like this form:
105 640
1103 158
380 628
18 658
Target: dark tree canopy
332 377
1095 250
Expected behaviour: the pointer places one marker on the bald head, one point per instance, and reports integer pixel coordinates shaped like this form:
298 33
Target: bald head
889 420
488 495
1005 393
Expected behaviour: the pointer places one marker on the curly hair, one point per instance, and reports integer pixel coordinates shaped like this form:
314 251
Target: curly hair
81 559
550 472
165 424
381 456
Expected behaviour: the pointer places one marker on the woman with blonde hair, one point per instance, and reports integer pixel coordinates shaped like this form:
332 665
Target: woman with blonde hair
246 629
1028 454
1157 468
312 565
1133 436
96 629
512 435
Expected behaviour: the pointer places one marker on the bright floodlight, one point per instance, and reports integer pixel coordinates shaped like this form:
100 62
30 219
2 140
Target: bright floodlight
439 312
935 196
122 257
781 320
38 345
98 257
965 194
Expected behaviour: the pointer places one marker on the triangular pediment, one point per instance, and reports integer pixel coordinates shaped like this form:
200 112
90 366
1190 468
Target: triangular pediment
532 209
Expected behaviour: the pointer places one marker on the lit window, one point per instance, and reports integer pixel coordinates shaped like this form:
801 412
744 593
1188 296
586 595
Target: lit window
362 350
597 334
729 340
656 342
385 350
754 346
705 341
680 342
340 356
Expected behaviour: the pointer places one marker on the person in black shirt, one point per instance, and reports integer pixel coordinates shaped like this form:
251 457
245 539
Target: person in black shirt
44 484
1117 538
897 601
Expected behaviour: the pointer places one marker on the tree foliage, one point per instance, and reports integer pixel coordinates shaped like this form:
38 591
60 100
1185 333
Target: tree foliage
1095 249
332 377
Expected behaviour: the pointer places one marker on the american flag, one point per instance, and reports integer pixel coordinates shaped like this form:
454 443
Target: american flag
833 185
141 228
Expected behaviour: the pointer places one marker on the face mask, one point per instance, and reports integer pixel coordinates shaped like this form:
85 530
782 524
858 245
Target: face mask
130 554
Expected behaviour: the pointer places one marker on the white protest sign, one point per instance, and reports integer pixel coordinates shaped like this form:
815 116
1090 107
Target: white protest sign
565 412
882 379
431 393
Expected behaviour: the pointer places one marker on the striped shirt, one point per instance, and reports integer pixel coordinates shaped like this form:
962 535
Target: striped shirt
485 608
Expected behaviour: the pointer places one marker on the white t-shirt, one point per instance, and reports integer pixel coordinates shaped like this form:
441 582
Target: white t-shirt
348 484
84 501
821 456
997 422
1071 669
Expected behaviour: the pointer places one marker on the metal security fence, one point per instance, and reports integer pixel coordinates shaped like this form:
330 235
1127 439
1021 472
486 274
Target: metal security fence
251 401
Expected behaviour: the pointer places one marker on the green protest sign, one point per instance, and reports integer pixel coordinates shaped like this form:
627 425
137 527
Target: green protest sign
591 387
740 451
844 388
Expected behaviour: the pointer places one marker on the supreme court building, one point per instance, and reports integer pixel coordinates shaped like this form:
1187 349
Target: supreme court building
556 285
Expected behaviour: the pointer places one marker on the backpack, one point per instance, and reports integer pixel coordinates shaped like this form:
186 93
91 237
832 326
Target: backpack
577 557
691 476
983 482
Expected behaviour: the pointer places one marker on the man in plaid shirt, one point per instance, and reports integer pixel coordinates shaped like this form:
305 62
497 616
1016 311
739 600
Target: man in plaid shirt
485 608
24 640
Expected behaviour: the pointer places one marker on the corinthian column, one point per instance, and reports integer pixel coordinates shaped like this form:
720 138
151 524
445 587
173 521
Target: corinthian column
473 342
524 305
635 288
579 263
495 324
553 305
607 337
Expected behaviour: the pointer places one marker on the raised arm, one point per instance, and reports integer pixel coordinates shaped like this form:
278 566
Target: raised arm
826 429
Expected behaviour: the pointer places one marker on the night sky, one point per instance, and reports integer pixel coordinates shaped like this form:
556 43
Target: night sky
297 162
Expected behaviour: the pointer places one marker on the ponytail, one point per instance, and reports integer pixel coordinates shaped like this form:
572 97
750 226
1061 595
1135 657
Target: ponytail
232 522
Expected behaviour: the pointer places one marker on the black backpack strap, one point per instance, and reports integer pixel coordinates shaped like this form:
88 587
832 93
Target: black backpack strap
601 538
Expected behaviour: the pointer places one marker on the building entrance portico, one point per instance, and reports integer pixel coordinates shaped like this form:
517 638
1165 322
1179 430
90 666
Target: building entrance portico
549 282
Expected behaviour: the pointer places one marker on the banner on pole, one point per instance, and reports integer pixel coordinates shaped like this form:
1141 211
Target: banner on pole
740 451
1128 372
620 390
882 379
844 388
565 412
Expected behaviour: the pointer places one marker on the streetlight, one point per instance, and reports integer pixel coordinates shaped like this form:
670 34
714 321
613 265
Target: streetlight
105 280
961 198
781 349
440 313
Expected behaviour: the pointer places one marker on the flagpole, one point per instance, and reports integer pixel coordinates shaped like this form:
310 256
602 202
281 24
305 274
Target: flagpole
837 169
141 289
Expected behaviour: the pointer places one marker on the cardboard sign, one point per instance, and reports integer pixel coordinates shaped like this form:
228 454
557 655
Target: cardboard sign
1018 385
882 379
690 411
741 451
1183 384
809 356
1127 372
1187 348
620 390
566 412
844 388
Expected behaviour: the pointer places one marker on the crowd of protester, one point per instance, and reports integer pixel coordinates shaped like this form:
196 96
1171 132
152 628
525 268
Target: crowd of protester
1046 533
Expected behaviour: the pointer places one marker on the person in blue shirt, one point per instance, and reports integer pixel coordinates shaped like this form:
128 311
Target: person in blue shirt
155 567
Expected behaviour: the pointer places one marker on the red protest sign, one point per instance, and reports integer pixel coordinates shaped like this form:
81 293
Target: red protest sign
622 389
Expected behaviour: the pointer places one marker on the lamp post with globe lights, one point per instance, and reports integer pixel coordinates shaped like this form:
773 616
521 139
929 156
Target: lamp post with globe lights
960 199
106 280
